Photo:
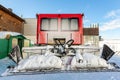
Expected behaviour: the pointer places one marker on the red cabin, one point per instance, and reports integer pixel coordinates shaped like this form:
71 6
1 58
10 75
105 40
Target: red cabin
61 26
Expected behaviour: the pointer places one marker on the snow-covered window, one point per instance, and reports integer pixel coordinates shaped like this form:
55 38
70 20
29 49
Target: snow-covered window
69 24
48 24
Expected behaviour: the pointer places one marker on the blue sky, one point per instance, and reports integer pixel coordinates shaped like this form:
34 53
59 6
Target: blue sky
104 12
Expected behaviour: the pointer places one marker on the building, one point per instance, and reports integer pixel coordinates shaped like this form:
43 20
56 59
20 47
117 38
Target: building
91 35
10 21
30 28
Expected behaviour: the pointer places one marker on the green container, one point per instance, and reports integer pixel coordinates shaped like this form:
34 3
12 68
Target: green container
3 48
6 45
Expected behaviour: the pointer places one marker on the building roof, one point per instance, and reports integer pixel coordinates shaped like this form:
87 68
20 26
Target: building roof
91 31
11 13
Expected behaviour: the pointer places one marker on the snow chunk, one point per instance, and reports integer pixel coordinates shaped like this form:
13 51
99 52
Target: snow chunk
89 61
39 62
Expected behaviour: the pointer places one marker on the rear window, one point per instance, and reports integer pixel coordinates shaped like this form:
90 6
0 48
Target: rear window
48 24
69 24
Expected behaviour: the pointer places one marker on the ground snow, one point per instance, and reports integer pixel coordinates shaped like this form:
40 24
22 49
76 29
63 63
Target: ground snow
67 76
4 63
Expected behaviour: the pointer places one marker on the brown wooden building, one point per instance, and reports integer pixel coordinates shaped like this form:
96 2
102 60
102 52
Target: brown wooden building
91 31
10 21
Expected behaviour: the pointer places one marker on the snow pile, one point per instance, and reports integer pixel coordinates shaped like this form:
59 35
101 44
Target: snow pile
50 61
89 61
39 62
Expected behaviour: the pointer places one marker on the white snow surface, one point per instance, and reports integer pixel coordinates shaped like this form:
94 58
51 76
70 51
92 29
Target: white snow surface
62 76
89 61
39 62
3 34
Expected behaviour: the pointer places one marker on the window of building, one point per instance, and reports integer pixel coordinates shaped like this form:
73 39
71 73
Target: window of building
49 24
69 24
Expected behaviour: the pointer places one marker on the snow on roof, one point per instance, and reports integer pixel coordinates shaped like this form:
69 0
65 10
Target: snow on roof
3 34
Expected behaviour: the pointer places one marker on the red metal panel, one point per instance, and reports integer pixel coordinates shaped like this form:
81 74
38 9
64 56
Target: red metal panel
43 36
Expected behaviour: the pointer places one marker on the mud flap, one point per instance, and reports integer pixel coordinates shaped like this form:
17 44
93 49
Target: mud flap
15 54
107 53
